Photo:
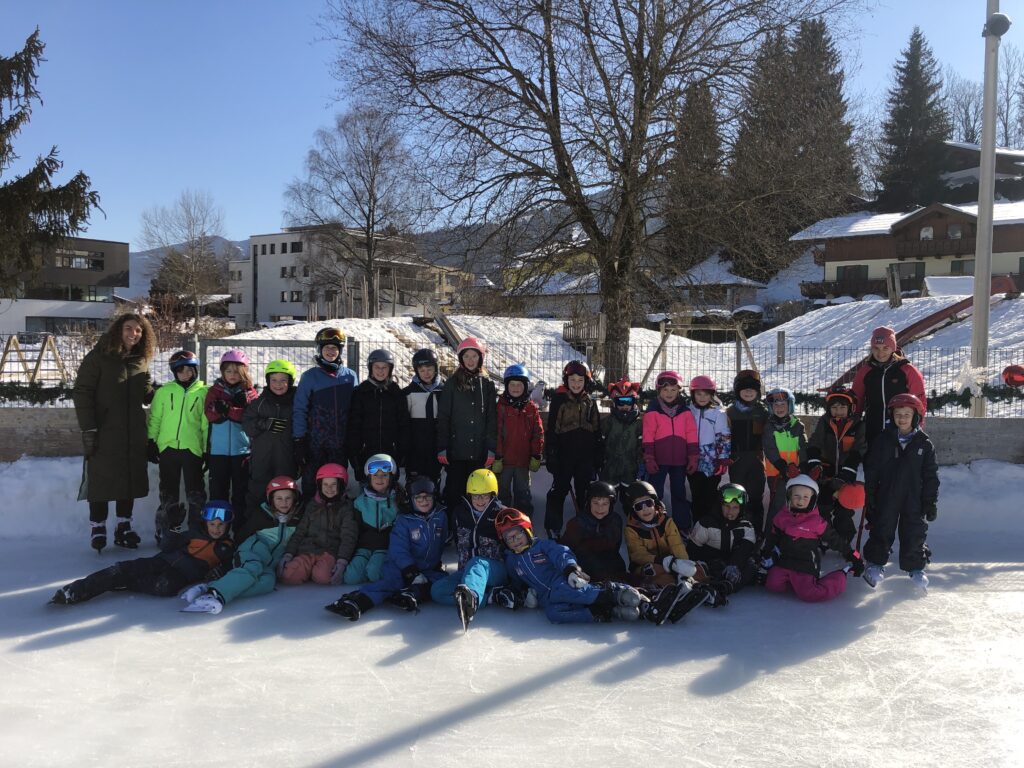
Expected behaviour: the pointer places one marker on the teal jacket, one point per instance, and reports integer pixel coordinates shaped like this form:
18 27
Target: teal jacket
256 559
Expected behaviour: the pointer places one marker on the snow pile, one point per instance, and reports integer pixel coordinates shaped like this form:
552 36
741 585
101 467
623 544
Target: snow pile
785 286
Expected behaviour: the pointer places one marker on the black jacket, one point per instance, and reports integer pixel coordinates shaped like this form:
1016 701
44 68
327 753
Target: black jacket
900 480
378 422
194 554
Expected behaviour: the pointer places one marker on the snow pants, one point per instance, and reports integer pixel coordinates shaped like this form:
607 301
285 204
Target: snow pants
250 579
148 575
514 489
174 465
366 565
747 470
229 481
703 493
912 528
565 605
391 582
578 474
676 476
479 574
308 567
806 586
838 516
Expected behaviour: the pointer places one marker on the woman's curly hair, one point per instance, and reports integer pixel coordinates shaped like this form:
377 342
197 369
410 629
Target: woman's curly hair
110 343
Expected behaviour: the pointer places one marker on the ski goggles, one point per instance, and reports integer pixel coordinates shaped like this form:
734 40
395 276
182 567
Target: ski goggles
220 512
664 381
378 466
637 506
730 495
778 397
625 400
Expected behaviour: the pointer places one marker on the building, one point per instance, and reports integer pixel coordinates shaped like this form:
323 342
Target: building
856 250
74 289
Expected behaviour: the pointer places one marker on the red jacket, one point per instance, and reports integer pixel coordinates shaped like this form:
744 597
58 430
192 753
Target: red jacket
520 433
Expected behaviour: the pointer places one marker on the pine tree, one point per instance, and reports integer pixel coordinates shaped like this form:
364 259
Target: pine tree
34 212
912 150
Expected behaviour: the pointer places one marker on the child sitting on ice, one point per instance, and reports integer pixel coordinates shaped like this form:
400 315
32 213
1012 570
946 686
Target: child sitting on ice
595 534
724 542
376 509
184 559
414 557
657 555
792 548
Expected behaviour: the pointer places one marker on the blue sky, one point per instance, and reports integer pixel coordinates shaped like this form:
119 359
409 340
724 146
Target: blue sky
150 96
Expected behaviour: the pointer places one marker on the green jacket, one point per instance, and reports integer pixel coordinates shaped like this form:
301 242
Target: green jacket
330 528
176 418
623 450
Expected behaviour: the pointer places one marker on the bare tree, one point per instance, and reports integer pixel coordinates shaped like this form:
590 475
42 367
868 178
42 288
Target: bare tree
963 99
556 107
359 191
1008 97
186 232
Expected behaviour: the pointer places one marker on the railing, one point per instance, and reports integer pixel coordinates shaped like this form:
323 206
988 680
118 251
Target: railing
963 246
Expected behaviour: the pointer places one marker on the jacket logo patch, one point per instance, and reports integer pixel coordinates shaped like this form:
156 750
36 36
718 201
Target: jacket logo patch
415 534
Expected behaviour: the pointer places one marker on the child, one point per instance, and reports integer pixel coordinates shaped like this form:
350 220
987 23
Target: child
902 488
481 566
414 557
184 559
520 440
595 534
670 445
784 444
267 533
376 509
421 396
563 590
228 452
882 375
177 438
325 537
834 453
321 409
467 432
747 418
622 435
378 419
573 442
268 423
713 445
792 548
657 555
724 542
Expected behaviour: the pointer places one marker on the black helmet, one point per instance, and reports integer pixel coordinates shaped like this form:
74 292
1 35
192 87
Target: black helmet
421 484
578 368
424 357
599 489
381 356
639 488
747 379
334 336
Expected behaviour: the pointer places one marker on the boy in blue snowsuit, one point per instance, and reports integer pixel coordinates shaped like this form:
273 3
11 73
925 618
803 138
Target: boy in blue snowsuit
414 557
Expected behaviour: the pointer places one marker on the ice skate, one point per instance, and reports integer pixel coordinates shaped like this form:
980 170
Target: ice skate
345 606
873 575
124 536
626 613
466 603
64 596
920 579
625 595
99 537
506 597
190 594
206 603
659 609
405 600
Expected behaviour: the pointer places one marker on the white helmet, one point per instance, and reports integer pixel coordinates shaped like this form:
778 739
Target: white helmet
806 480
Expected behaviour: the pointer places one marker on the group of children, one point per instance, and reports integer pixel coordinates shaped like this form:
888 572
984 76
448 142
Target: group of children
278 471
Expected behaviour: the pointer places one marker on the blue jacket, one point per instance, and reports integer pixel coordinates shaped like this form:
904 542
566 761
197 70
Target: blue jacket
227 437
541 566
417 541
320 411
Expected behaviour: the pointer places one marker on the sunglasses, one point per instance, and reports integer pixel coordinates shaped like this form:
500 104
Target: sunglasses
217 513
730 495
424 497
627 400
643 504
771 400
380 466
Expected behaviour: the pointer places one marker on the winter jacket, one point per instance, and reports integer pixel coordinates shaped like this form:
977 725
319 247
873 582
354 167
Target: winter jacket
227 438
520 432
573 433
715 538
375 516
256 561
326 527
784 440
320 412
271 452
746 427
378 422
794 540
475 535
540 567
840 442
623 447
669 440
714 440
194 553
467 418
109 393
650 543
596 544
875 384
422 401
417 542
898 479
176 418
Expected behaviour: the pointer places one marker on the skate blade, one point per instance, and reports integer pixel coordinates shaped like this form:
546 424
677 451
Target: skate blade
190 608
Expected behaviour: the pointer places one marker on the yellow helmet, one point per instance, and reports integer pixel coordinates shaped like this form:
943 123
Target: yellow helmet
482 481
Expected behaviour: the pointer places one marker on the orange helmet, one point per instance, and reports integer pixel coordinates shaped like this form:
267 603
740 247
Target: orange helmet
509 518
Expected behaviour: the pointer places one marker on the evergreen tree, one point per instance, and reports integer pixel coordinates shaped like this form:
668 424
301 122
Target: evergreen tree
34 212
912 151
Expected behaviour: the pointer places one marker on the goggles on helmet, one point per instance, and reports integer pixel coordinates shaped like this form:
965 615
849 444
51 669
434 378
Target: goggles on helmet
217 512
378 466
625 400
730 495
637 506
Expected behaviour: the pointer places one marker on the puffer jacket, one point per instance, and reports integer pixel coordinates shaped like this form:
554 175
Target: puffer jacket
418 540
901 479
176 418
784 440
195 553
650 543
794 540
875 384
841 444
670 440
475 532
715 538
422 400
520 432
573 432
746 426
326 527
541 567
623 447
467 421
227 438
271 453
320 413
596 544
714 439
378 422
375 516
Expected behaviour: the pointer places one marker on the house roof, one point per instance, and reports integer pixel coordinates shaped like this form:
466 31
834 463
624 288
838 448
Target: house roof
714 271
861 224
560 283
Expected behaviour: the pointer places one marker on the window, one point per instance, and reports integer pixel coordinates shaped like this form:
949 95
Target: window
284 295
954 231
263 249
254 249
272 249
852 273
305 270
284 247
69 259
296 246
911 270
961 267
296 295
927 233
1020 266
291 271
284 271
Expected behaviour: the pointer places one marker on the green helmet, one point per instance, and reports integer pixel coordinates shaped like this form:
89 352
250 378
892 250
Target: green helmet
281 366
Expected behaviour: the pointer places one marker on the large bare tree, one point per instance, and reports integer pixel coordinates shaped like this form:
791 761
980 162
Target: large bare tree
359 190
563 106
963 99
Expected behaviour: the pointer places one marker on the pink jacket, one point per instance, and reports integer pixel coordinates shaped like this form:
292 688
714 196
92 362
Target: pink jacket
671 440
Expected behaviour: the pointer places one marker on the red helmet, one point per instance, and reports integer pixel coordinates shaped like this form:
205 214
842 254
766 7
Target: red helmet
851 495
471 342
907 400
509 518
332 470
624 388
703 382
1013 375
281 483
841 393
668 377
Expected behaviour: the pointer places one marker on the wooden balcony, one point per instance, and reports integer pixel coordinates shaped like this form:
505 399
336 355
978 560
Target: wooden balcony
963 246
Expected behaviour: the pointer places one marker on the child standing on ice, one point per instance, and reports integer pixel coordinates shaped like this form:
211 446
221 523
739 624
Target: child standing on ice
378 419
747 418
784 445
376 508
670 445
902 492
792 548
713 445
422 396
623 438
520 440
268 423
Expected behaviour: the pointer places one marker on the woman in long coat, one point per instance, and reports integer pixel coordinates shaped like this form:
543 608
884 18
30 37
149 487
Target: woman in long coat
112 386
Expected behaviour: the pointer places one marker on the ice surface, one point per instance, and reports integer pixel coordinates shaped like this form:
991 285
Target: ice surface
871 679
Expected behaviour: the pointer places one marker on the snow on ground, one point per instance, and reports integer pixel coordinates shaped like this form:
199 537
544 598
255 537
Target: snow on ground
872 678
785 286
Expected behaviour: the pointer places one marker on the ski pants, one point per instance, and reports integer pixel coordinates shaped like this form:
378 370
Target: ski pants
747 470
514 489
366 565
176 463
807 587
703 493
479 574
565 605
391 582
308 567
250 579
578 474
912 528
676 476
229 481
148 575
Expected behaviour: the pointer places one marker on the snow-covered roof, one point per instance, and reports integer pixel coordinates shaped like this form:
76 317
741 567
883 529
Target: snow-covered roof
1003 214
559 283
960 285
753 308
1005 151
851 225
785 286
715 271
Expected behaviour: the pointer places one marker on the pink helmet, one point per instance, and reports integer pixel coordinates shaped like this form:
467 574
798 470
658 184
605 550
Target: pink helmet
471 342
668 377
333 470
235 356
703 382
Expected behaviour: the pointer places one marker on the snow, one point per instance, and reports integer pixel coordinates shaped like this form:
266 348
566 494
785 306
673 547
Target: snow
872 678
1003 214
785 286
715 271
850 225
559 284
936 285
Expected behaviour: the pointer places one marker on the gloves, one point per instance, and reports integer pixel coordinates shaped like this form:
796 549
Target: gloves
409 575
221 406
152 452
678 565
848 475
812 467
90 442
767 562
792 470
239 400
931 511
691 464
722 466
575 576
651 466
277 426
190 594
284 561
442 458
489 461
300 451
856 563
338 572
496 466
732 574
534 463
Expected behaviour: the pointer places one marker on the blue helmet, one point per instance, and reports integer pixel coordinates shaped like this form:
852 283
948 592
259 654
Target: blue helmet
777 394
517 372
183 358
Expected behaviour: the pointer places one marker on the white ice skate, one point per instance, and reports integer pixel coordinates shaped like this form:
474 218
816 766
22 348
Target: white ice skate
189 595
920 579
207 603
873 575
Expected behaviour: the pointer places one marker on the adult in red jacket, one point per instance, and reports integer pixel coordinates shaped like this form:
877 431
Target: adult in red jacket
883 374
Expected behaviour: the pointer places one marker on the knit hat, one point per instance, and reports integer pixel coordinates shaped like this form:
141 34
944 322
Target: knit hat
884 335
746 380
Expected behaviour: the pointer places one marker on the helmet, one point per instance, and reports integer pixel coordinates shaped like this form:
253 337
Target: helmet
421 484
182 358
380 462
510 518
639 488
807 482
381 356
327 336
517 372
234 356
907 400
599 489
216 509
577 368
746 379
424 357
471 342
624 388
281 366
668 377
851 496
332 470
777 394
703 382
481 481
840 393
731 492
281 483
1013 375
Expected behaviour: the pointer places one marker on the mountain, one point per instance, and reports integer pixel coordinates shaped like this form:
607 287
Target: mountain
143 265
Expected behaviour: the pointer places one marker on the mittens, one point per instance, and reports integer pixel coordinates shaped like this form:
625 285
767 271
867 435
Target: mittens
678 565
497 466
534 463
